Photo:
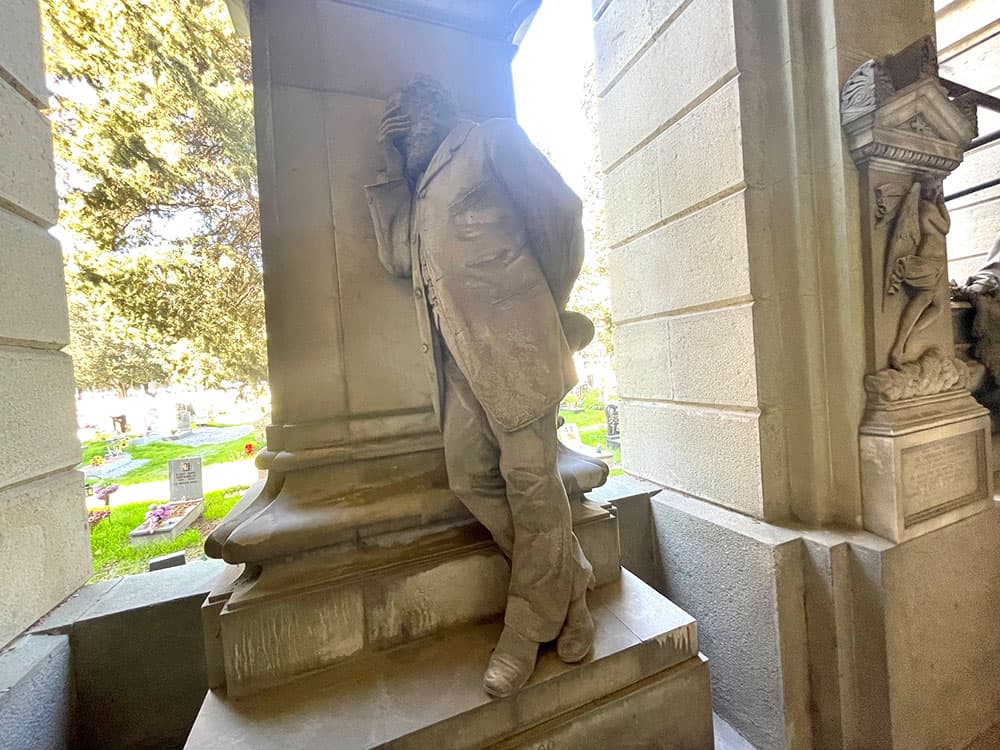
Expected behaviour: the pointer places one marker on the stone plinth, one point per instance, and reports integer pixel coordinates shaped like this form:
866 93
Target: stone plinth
372 587
927 461
645 680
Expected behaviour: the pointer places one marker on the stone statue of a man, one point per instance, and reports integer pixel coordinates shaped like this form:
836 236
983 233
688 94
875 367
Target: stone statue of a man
492 239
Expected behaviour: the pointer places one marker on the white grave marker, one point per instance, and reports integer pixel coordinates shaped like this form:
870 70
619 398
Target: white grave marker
185 479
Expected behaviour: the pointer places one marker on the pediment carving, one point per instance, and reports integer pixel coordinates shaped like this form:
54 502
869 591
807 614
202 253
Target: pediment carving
896 110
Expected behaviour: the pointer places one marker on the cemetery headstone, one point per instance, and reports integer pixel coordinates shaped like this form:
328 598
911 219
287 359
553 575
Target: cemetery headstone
611 417
183 421
185 479
119 424
167 561
613 438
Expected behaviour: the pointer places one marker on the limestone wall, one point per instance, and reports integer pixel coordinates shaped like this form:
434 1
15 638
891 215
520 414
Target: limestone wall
680 270
742 341
968 36
44 547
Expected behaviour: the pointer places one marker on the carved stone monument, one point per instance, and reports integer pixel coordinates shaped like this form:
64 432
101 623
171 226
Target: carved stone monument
925 456
365 601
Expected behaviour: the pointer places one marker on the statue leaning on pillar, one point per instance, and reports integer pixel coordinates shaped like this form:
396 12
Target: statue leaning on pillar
492 239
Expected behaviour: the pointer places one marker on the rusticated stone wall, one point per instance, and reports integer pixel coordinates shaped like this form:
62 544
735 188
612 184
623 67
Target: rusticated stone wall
44 546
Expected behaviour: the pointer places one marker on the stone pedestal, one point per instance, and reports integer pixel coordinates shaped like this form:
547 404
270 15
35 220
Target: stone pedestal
925 464
318 607
924 441
644 685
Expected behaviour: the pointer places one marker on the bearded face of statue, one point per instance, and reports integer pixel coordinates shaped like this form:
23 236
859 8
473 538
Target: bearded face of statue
423 138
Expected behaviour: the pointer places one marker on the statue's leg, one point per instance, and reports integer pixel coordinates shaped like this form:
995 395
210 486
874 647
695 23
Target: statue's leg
911 314
930 313
547 565
472 456
548 568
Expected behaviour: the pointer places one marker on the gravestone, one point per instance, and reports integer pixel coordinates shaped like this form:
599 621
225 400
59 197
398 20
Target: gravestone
613 438
569 433
183 421
611 417
185 479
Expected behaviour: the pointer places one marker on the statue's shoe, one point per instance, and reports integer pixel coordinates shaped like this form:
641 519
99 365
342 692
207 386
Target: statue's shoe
577 636
511 664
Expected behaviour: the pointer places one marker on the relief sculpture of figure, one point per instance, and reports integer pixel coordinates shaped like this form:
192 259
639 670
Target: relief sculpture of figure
916 262
492 239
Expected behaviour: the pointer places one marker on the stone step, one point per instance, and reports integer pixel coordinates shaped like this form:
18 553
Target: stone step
428 693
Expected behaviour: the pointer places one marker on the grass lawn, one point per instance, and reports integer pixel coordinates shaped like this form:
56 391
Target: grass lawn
160 452
593 432
585 419
113 554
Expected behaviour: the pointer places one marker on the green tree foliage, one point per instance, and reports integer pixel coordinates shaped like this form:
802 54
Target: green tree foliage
592 293
153 128
110 353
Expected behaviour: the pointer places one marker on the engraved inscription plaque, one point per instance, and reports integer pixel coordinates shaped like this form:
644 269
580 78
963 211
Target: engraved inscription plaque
943 475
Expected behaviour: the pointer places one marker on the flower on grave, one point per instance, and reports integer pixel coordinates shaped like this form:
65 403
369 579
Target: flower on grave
156 515
97 461
105 491
248 450
94 517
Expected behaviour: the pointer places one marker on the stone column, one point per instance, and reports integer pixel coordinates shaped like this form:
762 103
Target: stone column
742 294
44 541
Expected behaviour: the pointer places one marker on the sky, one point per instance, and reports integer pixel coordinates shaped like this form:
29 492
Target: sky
548 84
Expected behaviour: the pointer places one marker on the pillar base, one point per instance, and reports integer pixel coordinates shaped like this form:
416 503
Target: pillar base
838 638
925 463
644 680
305 612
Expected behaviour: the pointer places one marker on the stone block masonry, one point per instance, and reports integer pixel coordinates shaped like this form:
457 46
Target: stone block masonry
44 543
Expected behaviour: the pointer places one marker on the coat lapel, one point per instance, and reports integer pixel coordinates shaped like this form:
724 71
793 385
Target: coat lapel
445 151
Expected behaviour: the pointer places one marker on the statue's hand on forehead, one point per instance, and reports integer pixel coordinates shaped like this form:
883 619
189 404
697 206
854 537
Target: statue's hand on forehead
395 123
394 126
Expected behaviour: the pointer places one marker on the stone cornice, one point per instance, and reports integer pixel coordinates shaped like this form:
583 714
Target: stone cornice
896 111
898 155
505 20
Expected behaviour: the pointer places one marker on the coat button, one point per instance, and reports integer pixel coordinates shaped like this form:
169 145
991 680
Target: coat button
418 294
425 348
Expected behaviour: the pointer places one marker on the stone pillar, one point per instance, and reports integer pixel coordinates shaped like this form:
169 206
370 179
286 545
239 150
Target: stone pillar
44 541
741 290
925 442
